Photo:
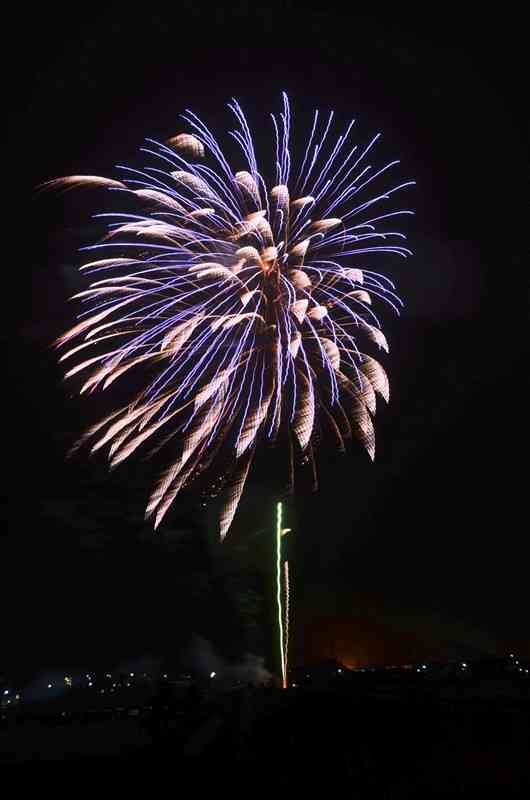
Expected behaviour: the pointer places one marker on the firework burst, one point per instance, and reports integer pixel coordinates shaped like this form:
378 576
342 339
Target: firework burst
243 304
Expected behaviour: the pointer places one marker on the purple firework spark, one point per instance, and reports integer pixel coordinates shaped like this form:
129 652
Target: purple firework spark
243 305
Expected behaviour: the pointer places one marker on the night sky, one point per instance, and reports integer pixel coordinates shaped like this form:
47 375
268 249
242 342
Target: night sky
422 554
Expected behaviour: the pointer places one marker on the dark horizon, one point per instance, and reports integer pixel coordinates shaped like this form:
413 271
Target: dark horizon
426 548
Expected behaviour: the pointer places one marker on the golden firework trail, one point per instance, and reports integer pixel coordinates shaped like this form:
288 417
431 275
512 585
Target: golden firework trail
287 616
279 511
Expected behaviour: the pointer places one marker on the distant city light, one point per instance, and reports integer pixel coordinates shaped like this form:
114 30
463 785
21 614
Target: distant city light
464 665
132 674
49 686
212 674
90 683
6 691
339 671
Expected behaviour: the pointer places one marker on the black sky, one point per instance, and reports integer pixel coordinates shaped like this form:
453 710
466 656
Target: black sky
430 541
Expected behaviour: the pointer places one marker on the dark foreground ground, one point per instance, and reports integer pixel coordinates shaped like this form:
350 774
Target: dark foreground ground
382 740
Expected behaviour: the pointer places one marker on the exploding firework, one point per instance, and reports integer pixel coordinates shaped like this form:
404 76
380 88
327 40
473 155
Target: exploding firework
242 308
